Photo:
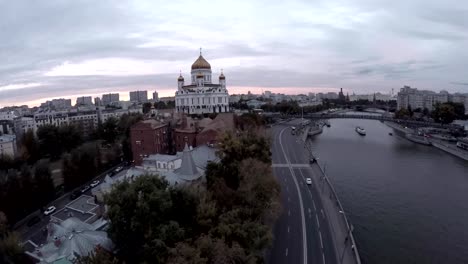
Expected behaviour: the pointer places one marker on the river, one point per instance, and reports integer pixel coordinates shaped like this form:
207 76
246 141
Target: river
408 202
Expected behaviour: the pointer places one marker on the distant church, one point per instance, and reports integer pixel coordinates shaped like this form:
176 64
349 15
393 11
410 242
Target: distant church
202 96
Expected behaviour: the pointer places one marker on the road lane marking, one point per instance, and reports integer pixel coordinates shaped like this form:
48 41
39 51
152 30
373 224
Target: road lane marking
315 209
288 229
323 257
323 215
289 212
321 242
288 199
301 206
310 212
286 252
318 223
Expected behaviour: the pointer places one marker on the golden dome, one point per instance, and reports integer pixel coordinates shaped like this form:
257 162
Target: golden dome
180 78
201 63
222 76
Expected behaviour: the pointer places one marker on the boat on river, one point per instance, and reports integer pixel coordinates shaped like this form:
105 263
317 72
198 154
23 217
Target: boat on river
361 131
418 139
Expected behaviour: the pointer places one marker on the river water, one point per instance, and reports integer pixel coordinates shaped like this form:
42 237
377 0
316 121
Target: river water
408 202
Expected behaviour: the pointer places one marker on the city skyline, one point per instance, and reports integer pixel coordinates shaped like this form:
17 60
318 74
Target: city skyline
362 46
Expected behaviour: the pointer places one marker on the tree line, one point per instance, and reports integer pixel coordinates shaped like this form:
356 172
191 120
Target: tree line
228 219
158 105
444 113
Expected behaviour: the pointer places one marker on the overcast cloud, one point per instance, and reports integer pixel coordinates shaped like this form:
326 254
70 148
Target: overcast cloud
59 48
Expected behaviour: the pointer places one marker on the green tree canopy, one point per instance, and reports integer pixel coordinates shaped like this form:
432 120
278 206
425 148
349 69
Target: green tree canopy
444 113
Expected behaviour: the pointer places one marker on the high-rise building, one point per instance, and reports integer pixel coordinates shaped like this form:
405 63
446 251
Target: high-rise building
155 96
414 98
97 101
110 98
139 96
84 100
57 104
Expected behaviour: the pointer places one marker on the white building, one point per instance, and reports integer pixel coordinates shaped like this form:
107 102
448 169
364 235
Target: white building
201 96
68 240
414 98
7 115
22 125
8 145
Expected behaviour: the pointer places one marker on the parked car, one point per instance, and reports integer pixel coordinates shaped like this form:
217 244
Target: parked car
85 189
50 210
118 169
34 220
308 181
312 160
75 195
95 183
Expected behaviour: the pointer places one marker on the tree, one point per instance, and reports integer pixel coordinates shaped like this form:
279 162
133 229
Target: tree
425 111
258 188
403 113
459 109
444 113
53 140
48 141
69 137
44 184
3 224
29 147
160 105
147 107
81 165
140 219
10 248
109 130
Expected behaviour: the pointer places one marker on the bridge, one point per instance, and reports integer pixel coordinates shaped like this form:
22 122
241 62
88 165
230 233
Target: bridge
363 116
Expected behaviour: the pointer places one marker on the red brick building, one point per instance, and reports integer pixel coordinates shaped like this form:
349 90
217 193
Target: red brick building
202 132
148 137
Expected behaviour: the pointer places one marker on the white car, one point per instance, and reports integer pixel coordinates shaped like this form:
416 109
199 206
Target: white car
309 181
95 183
50 210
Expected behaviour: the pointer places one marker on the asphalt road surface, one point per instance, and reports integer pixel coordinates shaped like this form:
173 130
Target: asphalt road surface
302 233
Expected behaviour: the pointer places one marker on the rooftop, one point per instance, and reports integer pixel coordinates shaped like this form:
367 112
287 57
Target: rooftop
7 138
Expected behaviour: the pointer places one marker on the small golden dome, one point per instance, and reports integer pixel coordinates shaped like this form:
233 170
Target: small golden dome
222 77
180 78
201 63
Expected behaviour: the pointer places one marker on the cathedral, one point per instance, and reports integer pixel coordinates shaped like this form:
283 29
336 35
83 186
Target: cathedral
201 96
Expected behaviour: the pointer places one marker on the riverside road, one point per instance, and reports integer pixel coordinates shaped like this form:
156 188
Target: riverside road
303 232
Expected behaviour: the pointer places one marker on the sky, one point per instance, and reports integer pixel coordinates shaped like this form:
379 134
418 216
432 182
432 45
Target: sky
59 48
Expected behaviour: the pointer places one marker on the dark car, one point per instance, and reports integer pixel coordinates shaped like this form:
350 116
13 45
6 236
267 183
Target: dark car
312 160
75 195
34 220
